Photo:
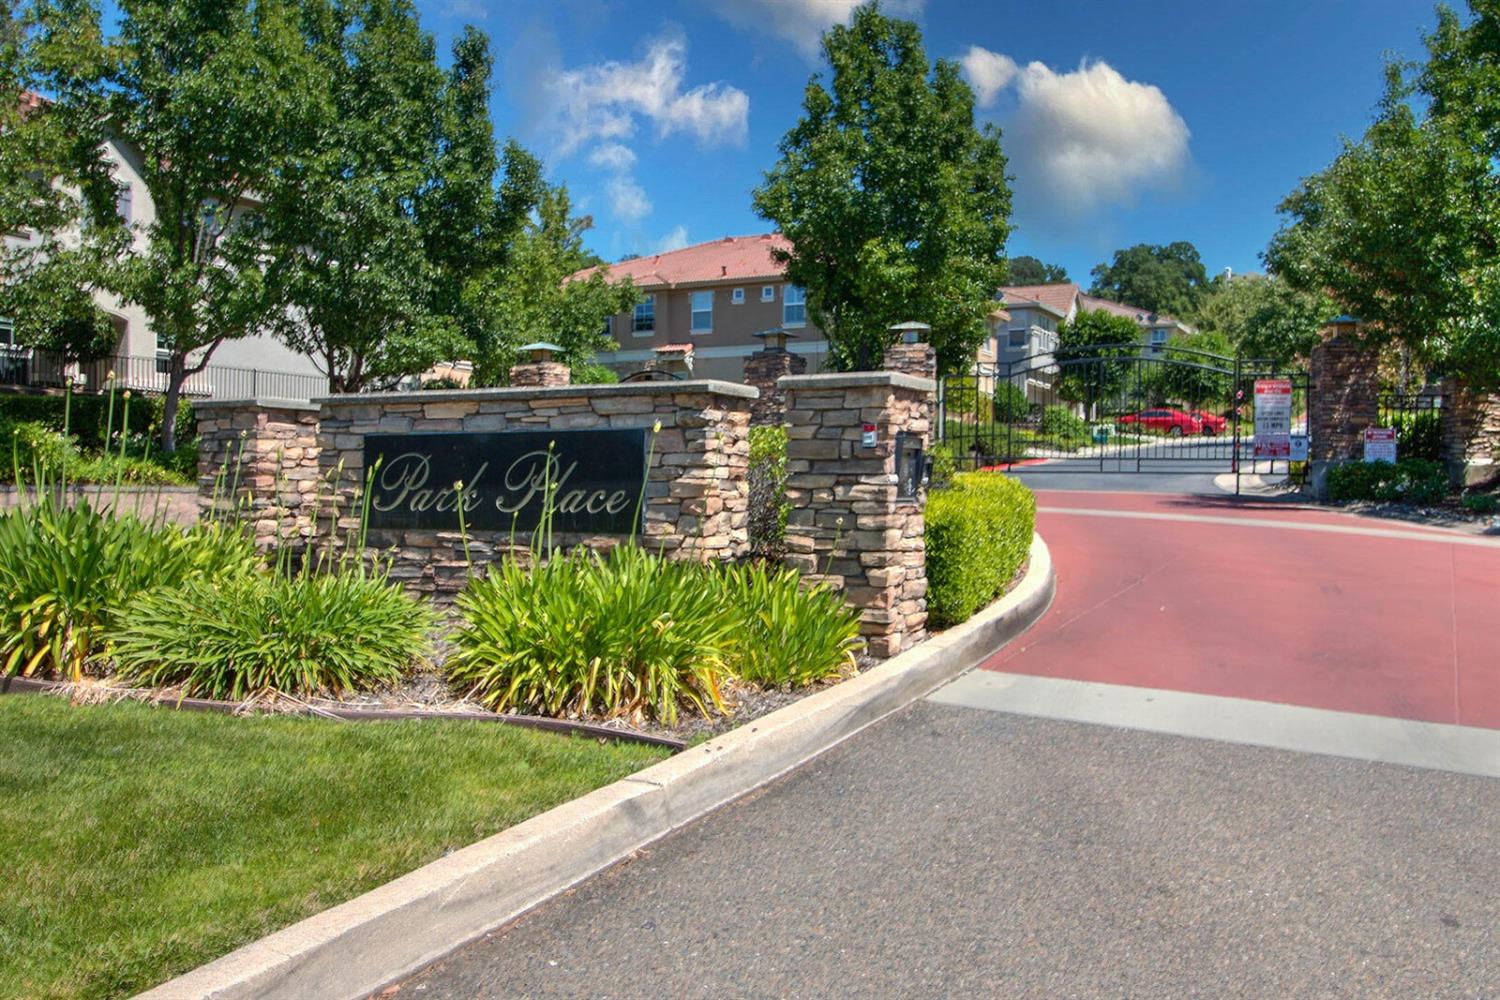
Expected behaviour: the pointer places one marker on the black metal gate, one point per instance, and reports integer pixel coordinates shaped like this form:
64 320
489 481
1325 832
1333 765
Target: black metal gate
1112 408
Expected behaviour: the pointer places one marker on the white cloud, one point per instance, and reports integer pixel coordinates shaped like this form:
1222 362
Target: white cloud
674 240
801 22
988 73
604 101
1084 138
612 156
627 200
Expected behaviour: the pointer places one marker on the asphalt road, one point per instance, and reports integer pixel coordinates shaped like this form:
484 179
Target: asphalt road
960 852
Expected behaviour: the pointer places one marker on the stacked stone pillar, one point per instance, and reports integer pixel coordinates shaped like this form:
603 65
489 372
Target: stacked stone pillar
918 359
848 525
258 464
1345 388
1471 432
764 370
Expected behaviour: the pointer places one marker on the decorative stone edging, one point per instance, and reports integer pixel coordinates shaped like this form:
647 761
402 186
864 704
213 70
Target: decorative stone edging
27 685
358 947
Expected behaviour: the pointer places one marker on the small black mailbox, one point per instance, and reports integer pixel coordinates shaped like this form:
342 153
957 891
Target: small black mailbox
911 466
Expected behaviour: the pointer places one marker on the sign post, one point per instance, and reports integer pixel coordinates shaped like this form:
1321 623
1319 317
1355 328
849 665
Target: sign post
1380 444
1273 418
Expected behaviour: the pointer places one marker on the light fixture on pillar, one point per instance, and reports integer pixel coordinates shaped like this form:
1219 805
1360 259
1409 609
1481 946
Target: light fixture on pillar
1343 325
540 352
775 338
911 332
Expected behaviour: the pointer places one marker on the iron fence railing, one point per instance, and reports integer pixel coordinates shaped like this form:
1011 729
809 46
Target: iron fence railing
1418 420
34 368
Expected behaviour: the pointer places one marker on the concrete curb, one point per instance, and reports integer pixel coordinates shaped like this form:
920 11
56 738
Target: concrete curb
360 946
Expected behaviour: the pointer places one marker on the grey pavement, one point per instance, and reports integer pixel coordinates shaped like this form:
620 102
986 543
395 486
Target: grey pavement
953 851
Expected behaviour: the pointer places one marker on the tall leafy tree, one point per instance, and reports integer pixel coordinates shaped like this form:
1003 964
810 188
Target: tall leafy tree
1191 370
1028 270
213 95
1095 355
1403 228
896 205
1264 318
57 197
1167 279
537 299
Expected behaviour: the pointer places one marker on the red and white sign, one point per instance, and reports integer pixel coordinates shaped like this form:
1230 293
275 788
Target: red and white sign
1380 444
1273 418
867 436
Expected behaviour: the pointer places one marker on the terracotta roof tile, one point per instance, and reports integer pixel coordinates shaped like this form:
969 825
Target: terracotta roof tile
732 258
1057 298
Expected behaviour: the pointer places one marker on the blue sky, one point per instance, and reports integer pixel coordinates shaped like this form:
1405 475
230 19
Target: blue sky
1125 122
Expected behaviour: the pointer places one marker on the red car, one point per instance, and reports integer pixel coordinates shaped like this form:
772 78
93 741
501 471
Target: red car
1173 422
1211 424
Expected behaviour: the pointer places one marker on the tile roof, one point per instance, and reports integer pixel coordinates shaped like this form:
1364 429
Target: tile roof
1057 298
732 258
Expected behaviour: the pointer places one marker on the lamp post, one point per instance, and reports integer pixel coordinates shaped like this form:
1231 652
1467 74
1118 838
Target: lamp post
911 332
774 339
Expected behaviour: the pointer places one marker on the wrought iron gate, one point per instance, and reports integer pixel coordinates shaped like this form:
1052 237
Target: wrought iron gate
1111 408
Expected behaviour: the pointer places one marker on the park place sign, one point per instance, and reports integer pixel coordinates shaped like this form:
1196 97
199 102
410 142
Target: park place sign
595 478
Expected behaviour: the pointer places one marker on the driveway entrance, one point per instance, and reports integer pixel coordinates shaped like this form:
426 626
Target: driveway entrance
1259 601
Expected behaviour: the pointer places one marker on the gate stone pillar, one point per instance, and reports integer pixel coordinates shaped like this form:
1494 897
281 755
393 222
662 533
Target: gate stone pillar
1345 399
764 370
1471 432
849 524
258 463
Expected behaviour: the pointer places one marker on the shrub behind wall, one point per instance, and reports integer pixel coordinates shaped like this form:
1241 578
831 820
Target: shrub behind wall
90 413
978 535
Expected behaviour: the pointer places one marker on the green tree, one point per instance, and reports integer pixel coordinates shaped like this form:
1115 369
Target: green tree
897 207
1096 355
57 193
1264 318
535 298
1160 279
213 95
348 252
1192 369
1403 228
1028 270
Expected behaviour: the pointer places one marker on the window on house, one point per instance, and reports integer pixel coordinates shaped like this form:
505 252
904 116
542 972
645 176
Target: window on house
793 307
1158 338
163 361
703 312
768 293
608 328
737 297
7 333
644 320
1018 337
125 204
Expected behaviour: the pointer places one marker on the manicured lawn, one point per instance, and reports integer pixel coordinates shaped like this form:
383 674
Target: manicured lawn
137 843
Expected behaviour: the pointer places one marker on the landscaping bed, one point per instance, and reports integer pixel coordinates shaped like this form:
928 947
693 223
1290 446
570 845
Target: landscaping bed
140 843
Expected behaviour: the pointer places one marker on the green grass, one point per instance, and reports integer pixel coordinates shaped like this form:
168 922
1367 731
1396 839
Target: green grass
141 842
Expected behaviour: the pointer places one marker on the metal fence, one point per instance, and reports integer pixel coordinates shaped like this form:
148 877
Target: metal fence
33 368
1418 420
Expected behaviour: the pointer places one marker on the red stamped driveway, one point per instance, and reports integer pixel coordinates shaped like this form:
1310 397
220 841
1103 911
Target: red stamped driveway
1260 601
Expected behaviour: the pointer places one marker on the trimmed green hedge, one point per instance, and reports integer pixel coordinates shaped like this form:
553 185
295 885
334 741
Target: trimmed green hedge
1413 480
978 534
90 413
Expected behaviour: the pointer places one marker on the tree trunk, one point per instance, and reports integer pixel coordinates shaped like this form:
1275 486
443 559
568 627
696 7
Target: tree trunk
176 376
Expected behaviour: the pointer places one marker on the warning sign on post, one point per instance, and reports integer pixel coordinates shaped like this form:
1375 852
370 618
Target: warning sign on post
1380 444
1273 418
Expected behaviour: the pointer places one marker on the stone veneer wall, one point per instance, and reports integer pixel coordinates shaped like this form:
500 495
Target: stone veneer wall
696 492
1345 400
1471 432
258 461
763 370
847 525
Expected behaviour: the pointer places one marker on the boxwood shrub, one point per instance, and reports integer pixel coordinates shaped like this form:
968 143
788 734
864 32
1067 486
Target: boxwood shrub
978 534
1411 480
